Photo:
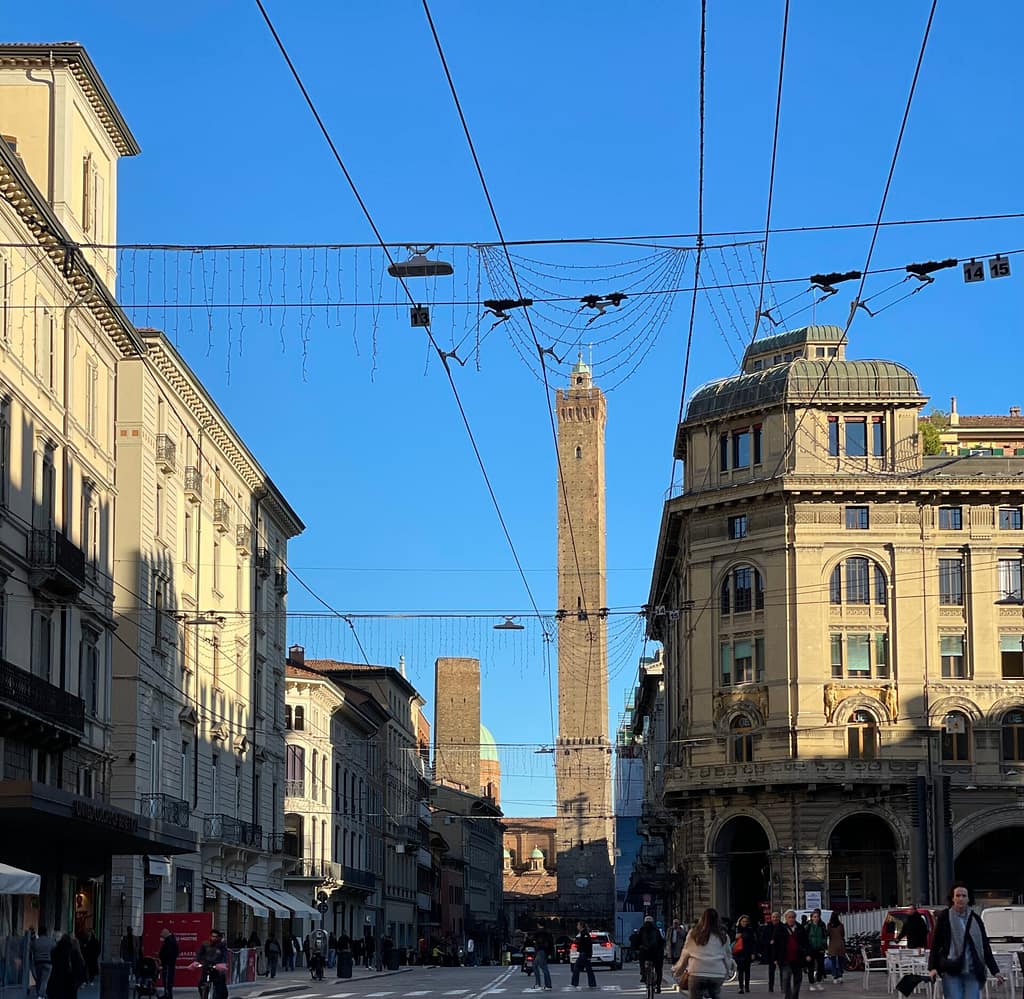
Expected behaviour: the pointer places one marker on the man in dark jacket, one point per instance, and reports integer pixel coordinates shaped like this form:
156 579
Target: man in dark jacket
650 946
915 929
790 948
765 948
211 954
584 952
168 956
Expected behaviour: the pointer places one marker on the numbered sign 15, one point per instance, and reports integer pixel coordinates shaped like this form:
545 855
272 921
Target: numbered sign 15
998 267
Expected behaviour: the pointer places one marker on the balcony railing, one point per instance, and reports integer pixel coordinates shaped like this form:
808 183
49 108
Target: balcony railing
281 844
355 877
166 453
281 579
243 539
24 697
295 789
165 808
231 831
193 484
262 561
56 564
221 515
310 867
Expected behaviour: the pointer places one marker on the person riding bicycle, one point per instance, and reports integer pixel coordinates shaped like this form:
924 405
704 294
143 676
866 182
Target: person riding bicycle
318 945
651 947
212 956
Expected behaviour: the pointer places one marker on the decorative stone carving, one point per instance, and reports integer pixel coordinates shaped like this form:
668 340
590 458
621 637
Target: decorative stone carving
882 515
835 693
749 697
831 701
891 700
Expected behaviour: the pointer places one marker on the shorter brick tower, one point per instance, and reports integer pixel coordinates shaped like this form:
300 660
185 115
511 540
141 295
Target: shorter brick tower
457 721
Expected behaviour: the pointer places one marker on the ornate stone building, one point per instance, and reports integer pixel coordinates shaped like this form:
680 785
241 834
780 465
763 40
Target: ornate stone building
843 632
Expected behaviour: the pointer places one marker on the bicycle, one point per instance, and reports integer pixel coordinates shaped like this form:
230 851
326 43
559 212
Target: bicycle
648 976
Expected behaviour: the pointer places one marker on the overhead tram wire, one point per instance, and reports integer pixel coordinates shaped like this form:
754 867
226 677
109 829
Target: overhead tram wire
412 301
700 228
526 312
771 175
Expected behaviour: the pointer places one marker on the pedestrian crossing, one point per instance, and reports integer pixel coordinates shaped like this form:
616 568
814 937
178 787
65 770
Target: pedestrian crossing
449 993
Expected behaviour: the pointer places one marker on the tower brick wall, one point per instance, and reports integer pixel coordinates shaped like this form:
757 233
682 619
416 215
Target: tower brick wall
457 721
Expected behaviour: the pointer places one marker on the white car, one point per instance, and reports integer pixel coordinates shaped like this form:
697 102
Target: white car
607 953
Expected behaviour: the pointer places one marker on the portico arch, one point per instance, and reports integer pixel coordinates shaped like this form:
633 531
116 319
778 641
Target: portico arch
740 850
987 851
865 856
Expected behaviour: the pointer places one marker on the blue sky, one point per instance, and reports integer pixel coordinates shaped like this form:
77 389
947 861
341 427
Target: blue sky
584 116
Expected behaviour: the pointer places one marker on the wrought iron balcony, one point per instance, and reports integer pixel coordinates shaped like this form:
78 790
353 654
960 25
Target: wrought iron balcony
243 539
166 453
165 808
193 484
355 877
232 832
56 565
262 561
35 711
313 869
281 579
295 789
221 515
282 844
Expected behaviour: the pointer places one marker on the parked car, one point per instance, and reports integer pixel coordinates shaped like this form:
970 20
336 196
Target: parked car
607 953
562 945
892 924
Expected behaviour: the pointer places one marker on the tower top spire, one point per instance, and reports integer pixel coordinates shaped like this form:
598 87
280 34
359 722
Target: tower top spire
580 376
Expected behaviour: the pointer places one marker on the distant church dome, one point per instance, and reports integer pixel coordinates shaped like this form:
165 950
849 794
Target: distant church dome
580 367
538 853
488 747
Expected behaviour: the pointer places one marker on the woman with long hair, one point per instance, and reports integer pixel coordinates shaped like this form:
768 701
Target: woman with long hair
836 945
960 951
706 957
743 947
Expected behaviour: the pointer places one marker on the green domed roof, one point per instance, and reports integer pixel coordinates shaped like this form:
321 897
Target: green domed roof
538 853
802 380
488 747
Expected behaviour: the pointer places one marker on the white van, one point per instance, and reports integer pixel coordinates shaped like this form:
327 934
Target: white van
1004 925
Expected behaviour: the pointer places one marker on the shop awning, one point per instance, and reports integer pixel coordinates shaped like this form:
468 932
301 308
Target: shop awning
17 882
263 895
258 908
299 908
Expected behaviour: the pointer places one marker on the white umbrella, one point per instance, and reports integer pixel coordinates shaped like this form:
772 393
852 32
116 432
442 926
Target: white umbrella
17 882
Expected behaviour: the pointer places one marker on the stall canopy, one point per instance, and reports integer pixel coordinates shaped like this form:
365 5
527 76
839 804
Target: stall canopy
258 908
299 908
265 896
17 882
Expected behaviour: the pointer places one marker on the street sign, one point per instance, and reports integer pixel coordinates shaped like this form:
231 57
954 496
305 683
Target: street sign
812 900
974 270
323 907
419 315
998 267
321 896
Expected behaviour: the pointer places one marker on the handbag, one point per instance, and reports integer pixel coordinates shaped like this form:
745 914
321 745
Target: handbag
955 965
737 947
683 981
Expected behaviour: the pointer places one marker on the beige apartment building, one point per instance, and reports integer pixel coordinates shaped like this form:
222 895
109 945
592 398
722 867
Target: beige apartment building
62 336
332 819
843 634
201 545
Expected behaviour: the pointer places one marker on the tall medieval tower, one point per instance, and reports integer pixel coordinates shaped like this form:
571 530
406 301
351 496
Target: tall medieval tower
585 841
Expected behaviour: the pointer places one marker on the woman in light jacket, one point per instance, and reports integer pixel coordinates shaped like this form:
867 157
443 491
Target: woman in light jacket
706 956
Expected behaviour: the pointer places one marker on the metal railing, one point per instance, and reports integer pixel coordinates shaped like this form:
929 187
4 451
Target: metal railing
310 867
243 538
232 831
166 452
22 689
193 482
262 561
56 563
165 808
221 514
282 844
358 878
295 789
281 579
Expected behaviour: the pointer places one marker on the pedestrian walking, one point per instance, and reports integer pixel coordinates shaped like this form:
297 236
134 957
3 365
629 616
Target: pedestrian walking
41 957
961 952
706 957
789 945
345 956
168 957
540 966
91 954
471 952
743 947
369 948
676 939
766 947
67 970
837 947
127 949
915 929
650 948
584 952
817 944
287 953
272 952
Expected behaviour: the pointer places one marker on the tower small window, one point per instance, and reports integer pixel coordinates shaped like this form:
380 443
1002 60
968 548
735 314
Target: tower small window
579 452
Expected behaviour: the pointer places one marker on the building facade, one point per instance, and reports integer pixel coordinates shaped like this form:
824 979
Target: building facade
586 837
842 627
200 599
62 336
332 755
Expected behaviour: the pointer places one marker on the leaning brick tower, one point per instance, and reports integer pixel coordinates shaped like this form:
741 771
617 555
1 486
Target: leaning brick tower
585 827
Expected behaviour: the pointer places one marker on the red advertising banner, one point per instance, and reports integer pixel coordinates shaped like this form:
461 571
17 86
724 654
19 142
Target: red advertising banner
191 929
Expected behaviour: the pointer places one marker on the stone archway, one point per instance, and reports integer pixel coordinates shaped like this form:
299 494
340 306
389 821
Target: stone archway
742 867
988 857
863 863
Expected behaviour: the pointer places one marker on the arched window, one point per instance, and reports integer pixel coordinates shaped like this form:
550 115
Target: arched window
858 580
862 733
741 742
300 718
742 590
956 738
579 452
1013 737
287 716
323 780
312 772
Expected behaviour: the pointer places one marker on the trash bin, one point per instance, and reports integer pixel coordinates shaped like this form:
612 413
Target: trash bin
114 980
392 961
345 964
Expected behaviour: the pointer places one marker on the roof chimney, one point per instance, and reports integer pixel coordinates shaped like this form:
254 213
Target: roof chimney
296 655
1015 411
954 416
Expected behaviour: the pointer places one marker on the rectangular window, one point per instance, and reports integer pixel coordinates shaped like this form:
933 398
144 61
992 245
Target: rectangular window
1010 579
738 527
882 655
857 588
877 437
5 300
881 588
1011 656
184 771
858 655
757 443
743 661
951 581
1009 518
758 660
159 513
951 518
741 449
857 518
726 650
213 783
154 761
188 536
951 650
5 451
723 453
856 439
833 436
216 567
89 670
295 770
837 656
42 638
92 377
819 351
743 589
